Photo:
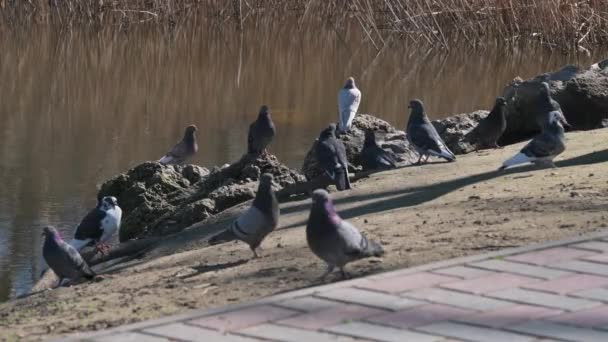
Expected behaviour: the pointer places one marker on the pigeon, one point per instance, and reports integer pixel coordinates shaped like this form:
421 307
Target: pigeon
349 99
261 132
62 258
259 220
544 147
98 226
334 240
545 104
331 155
183 150
424 137
491 128
373 157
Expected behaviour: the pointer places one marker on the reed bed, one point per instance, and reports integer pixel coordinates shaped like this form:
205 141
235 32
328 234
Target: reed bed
566 24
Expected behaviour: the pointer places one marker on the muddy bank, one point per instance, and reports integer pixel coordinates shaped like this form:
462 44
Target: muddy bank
419 214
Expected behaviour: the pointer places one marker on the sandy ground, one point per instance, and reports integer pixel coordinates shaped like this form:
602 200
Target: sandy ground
420 214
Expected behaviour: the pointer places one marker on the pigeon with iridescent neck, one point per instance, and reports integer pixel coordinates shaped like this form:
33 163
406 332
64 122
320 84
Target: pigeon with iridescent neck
423 135
62 258
333 240
331 156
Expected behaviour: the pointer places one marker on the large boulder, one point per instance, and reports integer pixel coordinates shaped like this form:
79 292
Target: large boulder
388 137
161 199
581 94
454 129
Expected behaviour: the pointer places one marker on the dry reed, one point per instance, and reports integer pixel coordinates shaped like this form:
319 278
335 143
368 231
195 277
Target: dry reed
579 24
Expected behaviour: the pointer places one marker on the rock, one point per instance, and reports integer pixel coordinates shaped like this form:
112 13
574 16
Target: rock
388 138
454 129
161 199
582 95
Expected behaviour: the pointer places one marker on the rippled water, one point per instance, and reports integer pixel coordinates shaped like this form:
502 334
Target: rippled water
78 107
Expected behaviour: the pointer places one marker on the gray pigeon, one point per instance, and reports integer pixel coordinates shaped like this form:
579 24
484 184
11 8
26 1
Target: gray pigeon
334 240
99 225
259 220
491 128
261 132
183 150
62 258
545 104
545 146
331 155
349 98
373 157
423 135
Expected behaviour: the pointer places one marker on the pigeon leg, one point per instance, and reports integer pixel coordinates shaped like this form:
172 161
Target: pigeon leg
330 269
255 253
426 159
419 160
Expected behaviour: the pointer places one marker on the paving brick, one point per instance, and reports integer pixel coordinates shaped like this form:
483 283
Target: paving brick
458 299
380 333
522 269
550 256
595 245
276 332
369 298
331 316
509 316
595 294
560 331
420 315
544 299
463 272
191 333
490 283
473 333
569 284
307 304
595 317
583 267
601 258
406 282
130 337
243 318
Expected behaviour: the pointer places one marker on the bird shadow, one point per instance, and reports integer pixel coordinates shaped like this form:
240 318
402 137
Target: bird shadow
215 267
412 196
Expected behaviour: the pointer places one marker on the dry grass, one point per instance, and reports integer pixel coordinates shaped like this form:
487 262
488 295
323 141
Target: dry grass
577 24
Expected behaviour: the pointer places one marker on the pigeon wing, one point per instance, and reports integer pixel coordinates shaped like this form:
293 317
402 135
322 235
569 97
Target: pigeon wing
90 227
74 259
543 145
176 155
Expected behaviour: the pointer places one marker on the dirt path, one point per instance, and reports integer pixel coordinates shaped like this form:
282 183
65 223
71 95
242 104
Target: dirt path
420 214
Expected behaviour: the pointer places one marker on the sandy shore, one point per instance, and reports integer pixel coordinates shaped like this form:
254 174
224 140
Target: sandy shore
420 214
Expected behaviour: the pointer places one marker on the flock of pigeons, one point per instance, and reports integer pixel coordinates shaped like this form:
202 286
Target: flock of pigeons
335 241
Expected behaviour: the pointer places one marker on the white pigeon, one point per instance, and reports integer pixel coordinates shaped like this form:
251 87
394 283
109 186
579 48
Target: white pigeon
349 99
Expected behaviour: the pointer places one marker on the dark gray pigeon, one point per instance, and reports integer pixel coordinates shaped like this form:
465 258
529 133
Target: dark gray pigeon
261 132
373 157
331 155
183 150
423 135
544 147
491 128
546 104
334 240
62 258
259 220
99 225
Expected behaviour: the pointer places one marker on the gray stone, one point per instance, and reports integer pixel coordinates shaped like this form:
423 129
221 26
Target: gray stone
472 333
543 299
523 269
561 331
380 333
369 298
458 299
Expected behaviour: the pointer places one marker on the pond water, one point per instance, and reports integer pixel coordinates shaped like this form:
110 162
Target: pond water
77 107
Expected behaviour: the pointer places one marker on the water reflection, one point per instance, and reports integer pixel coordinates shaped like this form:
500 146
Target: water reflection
78 108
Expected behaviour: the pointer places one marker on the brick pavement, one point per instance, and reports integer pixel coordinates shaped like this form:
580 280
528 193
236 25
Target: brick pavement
549 292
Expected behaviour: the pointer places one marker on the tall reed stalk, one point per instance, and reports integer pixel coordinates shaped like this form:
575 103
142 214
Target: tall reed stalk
579 24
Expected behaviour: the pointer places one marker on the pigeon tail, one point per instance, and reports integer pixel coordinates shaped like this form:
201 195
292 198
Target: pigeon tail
224 236
166 160
341 179
79 244
519 158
